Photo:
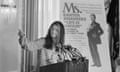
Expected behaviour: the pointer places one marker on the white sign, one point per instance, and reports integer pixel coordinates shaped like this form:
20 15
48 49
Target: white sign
86 29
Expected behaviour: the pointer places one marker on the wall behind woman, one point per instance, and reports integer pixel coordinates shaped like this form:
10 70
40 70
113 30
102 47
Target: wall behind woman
47 13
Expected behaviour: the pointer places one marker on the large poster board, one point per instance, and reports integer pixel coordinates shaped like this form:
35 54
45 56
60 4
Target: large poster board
88 35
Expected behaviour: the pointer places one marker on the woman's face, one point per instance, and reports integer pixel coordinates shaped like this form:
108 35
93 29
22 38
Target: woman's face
55 31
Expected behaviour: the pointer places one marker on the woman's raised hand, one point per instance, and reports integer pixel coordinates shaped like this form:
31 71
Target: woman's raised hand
22 39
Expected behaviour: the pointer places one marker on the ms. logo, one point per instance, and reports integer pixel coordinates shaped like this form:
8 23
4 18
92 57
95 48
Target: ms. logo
71 8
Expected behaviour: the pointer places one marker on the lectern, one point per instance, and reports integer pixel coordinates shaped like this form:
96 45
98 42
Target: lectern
70 66
66 66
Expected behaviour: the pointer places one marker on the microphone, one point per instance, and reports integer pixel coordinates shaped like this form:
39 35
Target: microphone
58 47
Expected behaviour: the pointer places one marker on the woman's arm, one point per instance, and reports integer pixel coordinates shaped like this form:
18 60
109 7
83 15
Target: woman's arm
36 44
31 45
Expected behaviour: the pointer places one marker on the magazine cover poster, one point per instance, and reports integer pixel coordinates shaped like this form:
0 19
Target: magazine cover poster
86 29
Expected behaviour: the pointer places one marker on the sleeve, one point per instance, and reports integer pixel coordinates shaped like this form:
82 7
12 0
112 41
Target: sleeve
36 44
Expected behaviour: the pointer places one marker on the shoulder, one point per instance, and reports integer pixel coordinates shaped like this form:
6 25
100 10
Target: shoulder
97 23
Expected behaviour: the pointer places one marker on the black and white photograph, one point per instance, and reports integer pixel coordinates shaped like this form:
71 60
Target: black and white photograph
59 36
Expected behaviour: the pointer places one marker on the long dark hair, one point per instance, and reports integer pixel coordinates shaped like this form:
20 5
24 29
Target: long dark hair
48 38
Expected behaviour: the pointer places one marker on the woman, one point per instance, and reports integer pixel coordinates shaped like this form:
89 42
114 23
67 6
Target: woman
53 43
50 46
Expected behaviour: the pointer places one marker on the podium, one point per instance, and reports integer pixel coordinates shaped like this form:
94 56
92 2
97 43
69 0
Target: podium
80 65
68 66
